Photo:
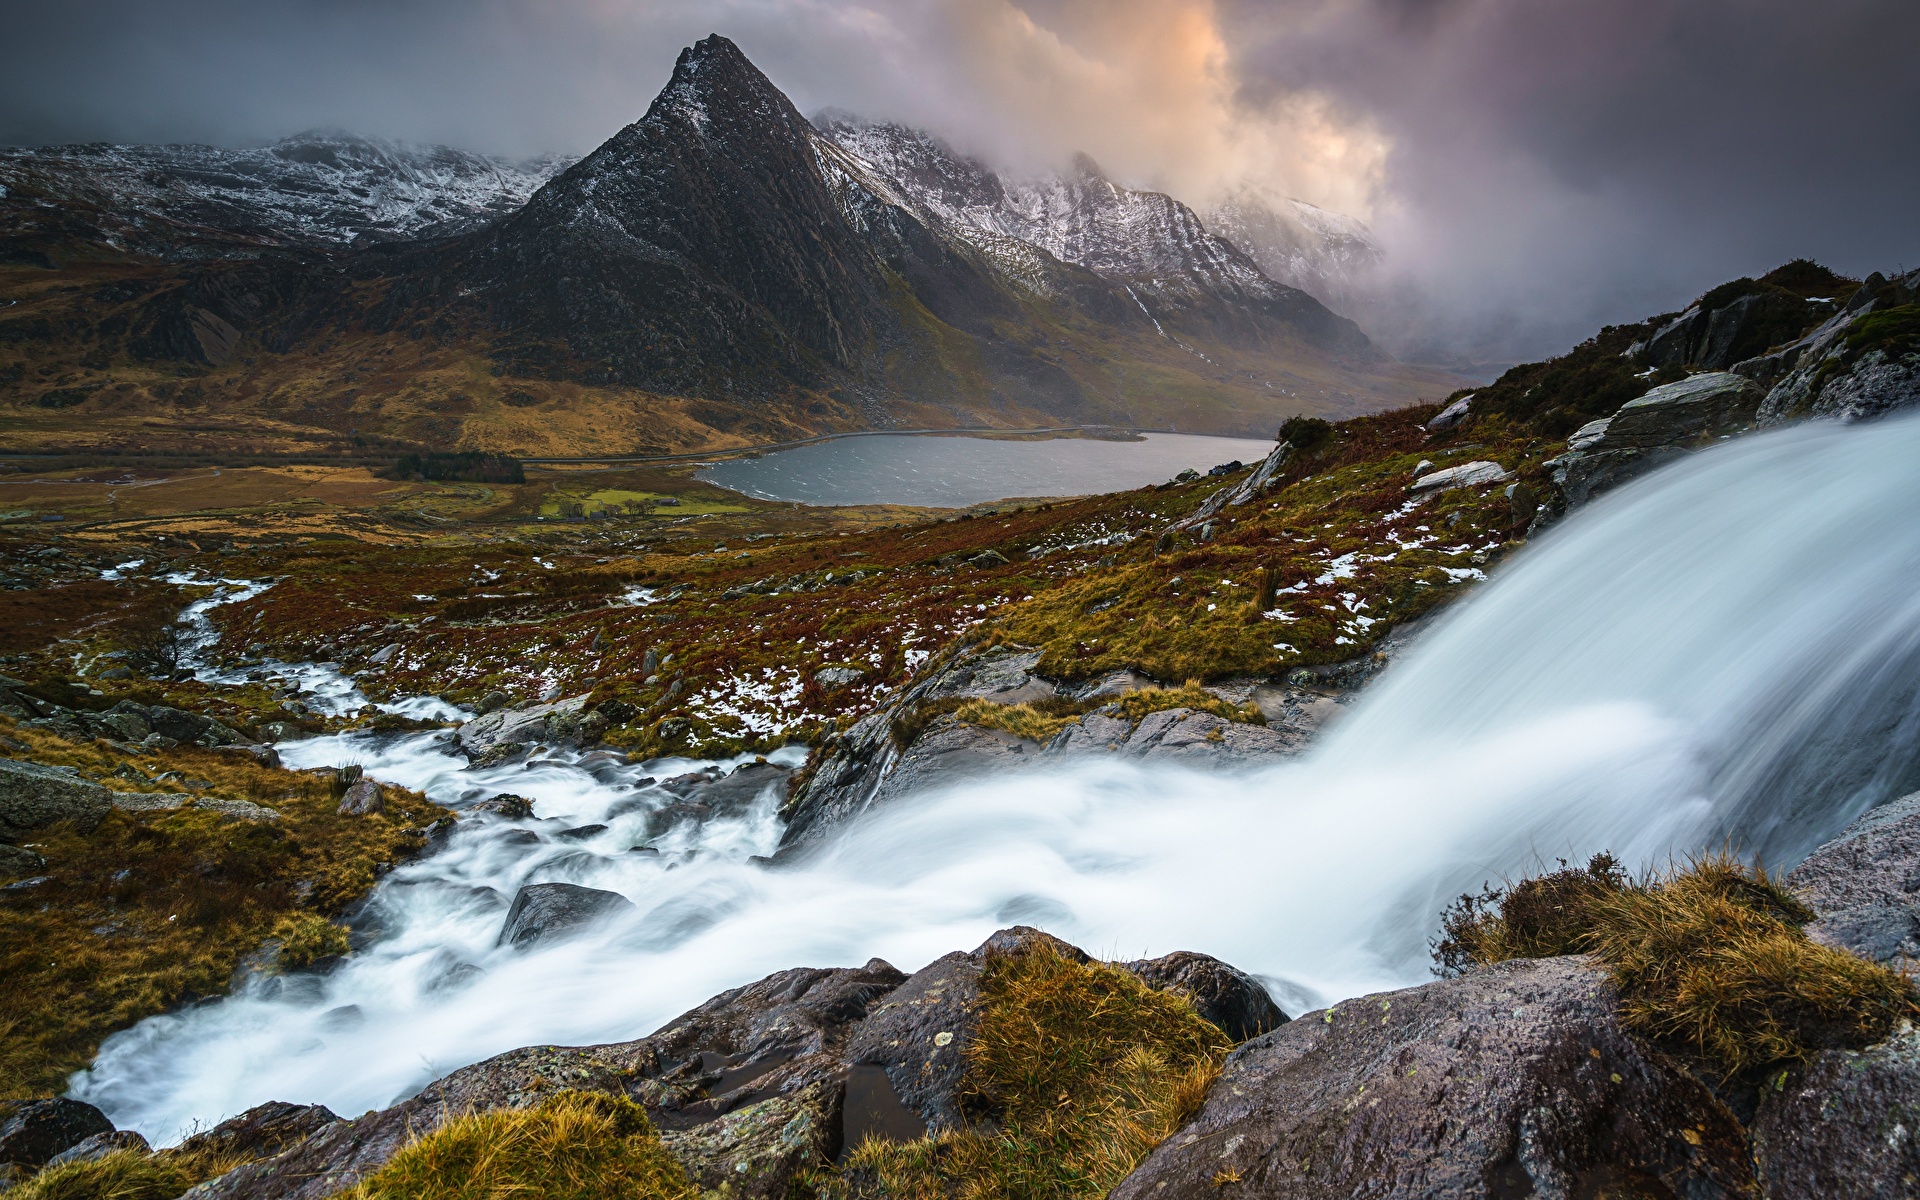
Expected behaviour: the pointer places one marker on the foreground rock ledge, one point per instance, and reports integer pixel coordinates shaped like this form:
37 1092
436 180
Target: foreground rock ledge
1512 1081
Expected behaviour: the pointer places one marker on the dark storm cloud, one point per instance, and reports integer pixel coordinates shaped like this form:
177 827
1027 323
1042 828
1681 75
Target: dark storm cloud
1561 163
1535 166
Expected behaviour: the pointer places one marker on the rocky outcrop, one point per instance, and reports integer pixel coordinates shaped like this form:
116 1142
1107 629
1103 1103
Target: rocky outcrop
34 796
748 1089
1861 364
560 722
1847 1125
544 912
869 766
1865 884
1516 1080
1658 428
40 1129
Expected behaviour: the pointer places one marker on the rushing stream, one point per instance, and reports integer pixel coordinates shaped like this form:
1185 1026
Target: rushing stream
1724 651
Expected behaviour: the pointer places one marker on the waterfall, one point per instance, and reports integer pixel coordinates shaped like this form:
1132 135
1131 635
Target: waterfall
1721 653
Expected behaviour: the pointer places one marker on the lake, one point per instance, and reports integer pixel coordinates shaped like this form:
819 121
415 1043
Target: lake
953 472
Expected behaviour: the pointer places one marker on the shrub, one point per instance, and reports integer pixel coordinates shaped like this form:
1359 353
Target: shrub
1082 1070
1711 956
575 1146
1306 434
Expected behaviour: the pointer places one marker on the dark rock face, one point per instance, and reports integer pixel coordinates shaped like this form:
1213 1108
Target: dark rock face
1228 997
1845 1126
1866 882
704 226
262 1130
40 1129
1512 1081
546 911
34 797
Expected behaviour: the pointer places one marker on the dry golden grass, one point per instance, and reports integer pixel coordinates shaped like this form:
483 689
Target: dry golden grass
575 1146
151 909
1135 705
1083 1068
1711 956
1035 722
122 1175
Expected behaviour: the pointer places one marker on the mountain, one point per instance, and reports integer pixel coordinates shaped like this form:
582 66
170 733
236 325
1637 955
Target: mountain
721 271
1322 253
315 189
1156 248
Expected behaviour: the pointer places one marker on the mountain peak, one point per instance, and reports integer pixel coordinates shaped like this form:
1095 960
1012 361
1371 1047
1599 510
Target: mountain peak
1085 168
713 81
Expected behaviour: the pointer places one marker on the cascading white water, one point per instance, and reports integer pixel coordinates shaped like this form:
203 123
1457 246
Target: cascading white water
1726 650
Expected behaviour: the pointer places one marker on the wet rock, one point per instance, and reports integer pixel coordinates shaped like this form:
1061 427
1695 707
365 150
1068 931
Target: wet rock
34 796
548 911
1865 884
102 1144
536 723
1181 735
1847 1125
580 833
1224 995
499 754
492 702
1516 1080
16 861
362 799
40 1129
758 1151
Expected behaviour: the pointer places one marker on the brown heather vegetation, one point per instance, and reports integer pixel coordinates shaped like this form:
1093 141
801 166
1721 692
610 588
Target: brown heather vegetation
1081 1070
1710 957
153 909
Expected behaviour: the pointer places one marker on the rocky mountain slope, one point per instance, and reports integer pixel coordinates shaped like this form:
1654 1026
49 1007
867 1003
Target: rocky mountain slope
321 189
718 272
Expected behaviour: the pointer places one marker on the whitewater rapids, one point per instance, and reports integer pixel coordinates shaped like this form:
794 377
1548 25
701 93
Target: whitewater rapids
1723 653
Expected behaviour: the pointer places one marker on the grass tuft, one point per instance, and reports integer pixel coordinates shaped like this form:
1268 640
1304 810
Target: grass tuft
122 1175
1081 1070
1711 956
1135 705
306 938
575 1146
1037 721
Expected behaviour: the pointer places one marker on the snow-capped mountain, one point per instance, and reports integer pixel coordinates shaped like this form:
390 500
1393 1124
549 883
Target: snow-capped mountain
1156 248
315 189
1147 239
1321 252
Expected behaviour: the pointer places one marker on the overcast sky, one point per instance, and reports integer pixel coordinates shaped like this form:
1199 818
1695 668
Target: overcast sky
1536 167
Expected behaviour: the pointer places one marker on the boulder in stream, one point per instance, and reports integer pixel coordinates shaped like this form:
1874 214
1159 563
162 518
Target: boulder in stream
547 911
